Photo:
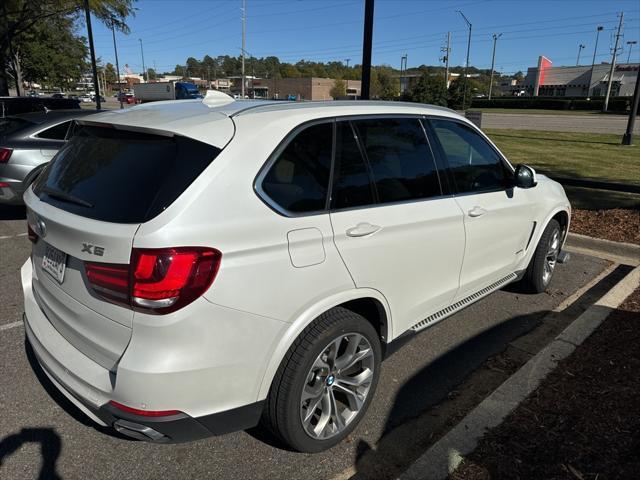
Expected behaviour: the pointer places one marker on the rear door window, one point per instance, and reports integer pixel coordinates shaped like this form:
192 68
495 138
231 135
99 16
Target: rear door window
353 182
298 180
121 176
400 159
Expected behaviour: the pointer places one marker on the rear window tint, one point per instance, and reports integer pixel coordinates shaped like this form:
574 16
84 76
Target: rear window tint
120 176
12 125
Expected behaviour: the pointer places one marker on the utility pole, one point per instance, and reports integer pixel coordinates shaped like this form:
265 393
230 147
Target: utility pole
115 49
466 65
94 68
631 43
580 47
496 36
627 138
447 53
403 70
367 43
144 70
244 28
613 64
347 87
593 62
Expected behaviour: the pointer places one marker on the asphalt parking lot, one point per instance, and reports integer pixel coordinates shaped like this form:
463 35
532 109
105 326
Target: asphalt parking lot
42 433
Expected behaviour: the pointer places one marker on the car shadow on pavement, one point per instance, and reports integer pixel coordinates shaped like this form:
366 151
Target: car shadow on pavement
402 440
409 431
50 446
62 401
11 212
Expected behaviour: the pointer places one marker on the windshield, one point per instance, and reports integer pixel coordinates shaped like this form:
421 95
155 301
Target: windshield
121 176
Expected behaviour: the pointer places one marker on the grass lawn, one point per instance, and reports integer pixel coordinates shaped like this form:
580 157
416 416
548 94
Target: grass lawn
576 155
538 111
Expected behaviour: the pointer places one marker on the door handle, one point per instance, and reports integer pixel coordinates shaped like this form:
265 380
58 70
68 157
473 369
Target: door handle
477 211
362 230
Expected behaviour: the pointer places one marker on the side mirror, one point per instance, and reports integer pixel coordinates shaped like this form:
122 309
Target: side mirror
525 176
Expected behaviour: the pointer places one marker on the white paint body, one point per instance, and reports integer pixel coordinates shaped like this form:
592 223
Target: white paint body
278 273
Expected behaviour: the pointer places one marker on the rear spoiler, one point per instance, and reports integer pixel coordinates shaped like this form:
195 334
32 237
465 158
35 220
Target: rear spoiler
129 128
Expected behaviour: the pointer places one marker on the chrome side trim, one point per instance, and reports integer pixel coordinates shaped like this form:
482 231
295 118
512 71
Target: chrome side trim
460 304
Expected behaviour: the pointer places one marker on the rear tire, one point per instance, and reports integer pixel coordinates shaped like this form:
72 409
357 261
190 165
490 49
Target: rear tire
540 270
325 383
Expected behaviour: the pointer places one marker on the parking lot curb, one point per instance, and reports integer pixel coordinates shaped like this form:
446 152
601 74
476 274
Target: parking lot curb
619 252
442 458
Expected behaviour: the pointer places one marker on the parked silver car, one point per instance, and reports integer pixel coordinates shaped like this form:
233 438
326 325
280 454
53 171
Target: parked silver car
27 142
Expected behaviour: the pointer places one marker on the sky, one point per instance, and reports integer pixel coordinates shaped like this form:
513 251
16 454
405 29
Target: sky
332 30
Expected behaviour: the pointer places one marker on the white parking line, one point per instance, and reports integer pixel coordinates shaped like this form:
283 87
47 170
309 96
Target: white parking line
5 237
11 325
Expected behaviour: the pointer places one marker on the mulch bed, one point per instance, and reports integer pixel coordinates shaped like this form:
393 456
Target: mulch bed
583 421
619 225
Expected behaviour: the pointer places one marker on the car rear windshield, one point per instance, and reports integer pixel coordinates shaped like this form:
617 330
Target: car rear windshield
11 125
121 176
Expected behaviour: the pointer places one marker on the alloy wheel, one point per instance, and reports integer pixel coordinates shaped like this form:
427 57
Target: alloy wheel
337 386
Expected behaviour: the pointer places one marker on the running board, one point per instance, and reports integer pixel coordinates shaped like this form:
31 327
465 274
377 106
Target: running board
460 304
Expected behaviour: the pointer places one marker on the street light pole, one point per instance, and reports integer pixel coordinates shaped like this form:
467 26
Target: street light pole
115 49
493 61
631 43
466 65
580 47
613 64
144 70
94 68
593 62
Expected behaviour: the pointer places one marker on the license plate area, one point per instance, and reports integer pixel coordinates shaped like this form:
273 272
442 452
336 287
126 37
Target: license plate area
54 262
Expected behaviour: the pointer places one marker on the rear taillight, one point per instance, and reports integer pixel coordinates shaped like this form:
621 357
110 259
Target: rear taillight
5 154
31 234
158 280
109 280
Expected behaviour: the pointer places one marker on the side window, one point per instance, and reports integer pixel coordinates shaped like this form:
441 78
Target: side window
298 180
400 159
476 167
59 132
352 186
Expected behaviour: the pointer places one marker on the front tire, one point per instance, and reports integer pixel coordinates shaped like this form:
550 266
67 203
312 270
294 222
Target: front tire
540 270
325 383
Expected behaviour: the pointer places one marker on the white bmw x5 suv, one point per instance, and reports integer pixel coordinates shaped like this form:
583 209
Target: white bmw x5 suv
201 265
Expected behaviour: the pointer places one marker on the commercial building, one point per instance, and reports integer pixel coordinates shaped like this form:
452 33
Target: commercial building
579 81
309 88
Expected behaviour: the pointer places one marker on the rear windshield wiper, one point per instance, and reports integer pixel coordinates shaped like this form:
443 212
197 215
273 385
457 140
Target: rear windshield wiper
66 197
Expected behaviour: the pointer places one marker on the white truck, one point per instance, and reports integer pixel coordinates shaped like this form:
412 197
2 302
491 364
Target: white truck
153 92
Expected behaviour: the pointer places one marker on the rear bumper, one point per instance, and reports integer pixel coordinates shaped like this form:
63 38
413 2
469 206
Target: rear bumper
90 387
170 429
